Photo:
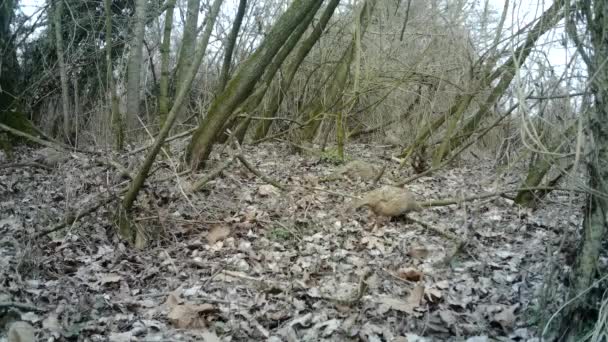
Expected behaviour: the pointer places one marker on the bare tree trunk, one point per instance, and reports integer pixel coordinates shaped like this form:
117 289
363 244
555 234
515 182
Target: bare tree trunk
63 76
115 115
135 64
186 52
242 84
595 13
126 228
165 49
230 43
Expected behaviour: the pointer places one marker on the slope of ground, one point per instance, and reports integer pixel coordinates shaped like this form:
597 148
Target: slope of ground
241 260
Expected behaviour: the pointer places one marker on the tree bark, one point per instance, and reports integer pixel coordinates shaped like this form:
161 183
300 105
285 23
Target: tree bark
242 84
595 13
116 119
230 44
63 76
252 103
135 64
186 52
165 49
278 93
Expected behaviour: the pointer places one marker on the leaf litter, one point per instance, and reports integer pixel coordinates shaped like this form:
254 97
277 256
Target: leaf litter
240 260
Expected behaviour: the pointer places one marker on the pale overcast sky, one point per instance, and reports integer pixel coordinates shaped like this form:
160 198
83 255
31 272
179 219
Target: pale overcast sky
521 12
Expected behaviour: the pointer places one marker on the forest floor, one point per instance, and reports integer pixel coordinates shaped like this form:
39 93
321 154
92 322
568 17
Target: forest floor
242 261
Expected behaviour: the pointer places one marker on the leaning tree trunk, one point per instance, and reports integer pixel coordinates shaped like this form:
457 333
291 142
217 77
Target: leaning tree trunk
253 102
594 223
186 52
135 63
314 113
230 44
278 92
63 75
127 230
547 21
242 84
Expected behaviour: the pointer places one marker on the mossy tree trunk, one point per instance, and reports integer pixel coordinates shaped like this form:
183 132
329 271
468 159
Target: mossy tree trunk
253 102
278 92
314 112
230 44
243 83
595 14
186 51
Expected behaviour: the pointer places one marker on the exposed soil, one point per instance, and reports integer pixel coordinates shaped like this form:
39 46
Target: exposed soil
241 260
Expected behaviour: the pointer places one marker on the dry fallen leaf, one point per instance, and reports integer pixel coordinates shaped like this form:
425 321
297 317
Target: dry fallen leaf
434 295
217 233
506 318
110 278
267 190
413 301
410 274
415 297
418 252
188 316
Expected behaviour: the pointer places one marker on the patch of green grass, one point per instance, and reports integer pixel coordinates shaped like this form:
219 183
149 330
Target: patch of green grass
279 234
331 156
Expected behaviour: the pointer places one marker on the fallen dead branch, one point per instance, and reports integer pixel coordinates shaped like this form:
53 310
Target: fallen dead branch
199 184
259 173
69 219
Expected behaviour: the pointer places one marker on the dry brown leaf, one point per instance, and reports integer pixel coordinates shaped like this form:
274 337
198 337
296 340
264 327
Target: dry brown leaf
217 233
267 190
412 302
415 297
190 316
410 274
418 252
506 318
434 295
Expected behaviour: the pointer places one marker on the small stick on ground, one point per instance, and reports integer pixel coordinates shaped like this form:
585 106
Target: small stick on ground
259 173
211 175
69 219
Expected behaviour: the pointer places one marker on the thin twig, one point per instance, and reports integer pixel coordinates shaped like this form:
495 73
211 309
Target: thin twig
258 173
